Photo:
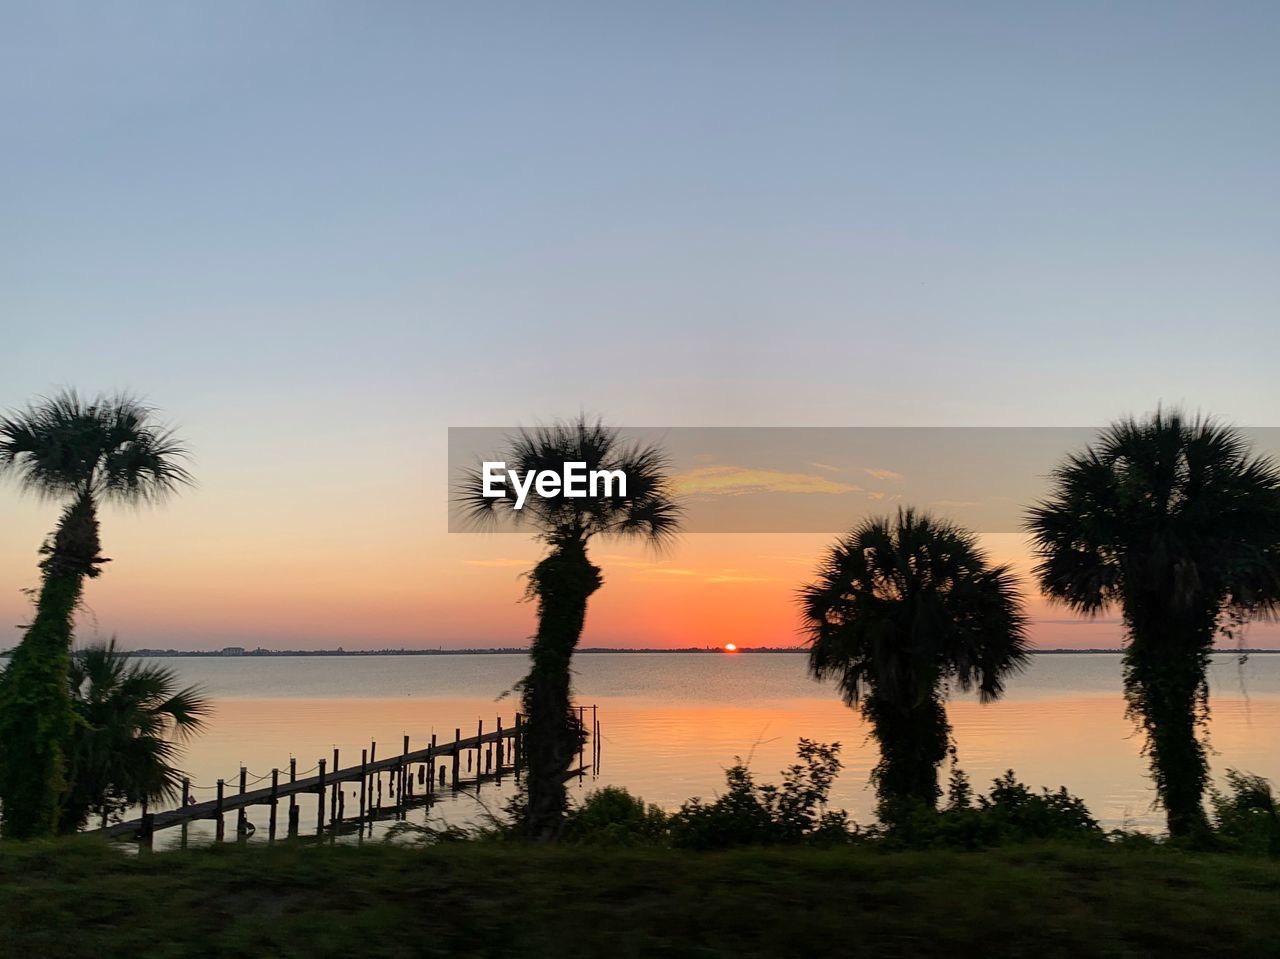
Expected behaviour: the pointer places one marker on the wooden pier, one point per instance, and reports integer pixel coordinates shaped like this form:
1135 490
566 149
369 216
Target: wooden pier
439 766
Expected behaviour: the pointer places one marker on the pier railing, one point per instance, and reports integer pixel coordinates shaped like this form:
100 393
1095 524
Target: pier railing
412 777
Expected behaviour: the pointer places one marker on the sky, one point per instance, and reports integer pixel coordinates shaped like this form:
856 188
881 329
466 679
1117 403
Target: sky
319 235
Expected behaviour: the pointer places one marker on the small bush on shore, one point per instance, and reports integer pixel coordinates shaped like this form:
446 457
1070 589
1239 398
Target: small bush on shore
613 817
796 812
749 814
1010 813
1246 818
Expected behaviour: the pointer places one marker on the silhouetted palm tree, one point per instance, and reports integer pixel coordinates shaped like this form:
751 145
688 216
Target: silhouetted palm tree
564 580
1177 524
84 452
124 748
903 607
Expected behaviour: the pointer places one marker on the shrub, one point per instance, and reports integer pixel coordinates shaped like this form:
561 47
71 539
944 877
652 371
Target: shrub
755 815
1246 818
613 817
1010 813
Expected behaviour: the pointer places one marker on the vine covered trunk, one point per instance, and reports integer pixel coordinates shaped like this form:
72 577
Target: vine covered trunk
1165 686
36 714
913 740
563 582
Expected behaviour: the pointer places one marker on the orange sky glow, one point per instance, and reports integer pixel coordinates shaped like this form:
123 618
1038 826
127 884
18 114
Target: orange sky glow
182 580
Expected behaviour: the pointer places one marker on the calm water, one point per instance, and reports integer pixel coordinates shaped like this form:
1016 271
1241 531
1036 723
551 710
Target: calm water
671 723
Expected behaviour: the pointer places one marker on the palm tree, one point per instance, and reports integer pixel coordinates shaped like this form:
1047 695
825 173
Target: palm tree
123 750
1176 523
84 452
903 607
565 579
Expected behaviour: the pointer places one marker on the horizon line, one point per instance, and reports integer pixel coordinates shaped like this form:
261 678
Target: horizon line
233 652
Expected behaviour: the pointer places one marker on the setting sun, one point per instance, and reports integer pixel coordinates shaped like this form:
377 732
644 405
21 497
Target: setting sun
730 648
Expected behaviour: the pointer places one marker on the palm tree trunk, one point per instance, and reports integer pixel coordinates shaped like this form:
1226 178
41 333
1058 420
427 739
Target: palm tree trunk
913 741
36 715
563 582
1166 690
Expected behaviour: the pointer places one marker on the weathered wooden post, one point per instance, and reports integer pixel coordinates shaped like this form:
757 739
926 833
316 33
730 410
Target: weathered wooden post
146 829
364 785
275 801
293 797
320 805
431 767
517 745
242 816
498 747
220 828
582 740
337 789
457 758
405 780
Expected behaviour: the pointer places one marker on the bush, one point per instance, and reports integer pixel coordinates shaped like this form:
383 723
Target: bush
757 815
613 817
1010 813
1246 818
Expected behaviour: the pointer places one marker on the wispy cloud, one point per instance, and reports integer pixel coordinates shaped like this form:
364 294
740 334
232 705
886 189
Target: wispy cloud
825 466
651 571
733 576
883 474
792 560
622 561
726 480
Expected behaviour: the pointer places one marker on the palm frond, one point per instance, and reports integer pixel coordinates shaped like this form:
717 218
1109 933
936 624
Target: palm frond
648 512
901 605
110 446
1169 507
133 716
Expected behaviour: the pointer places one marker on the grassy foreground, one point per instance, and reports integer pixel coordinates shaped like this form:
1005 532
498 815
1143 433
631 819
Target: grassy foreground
78 898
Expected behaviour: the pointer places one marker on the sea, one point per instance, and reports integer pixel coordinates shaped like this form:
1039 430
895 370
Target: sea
671 723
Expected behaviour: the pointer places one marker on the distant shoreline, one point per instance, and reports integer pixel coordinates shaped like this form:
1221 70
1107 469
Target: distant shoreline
239 653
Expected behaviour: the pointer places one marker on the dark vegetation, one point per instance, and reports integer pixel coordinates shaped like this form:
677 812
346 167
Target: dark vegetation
1176 523
796 812
902 609
123 750
75 898
565 579
1170 520
82 453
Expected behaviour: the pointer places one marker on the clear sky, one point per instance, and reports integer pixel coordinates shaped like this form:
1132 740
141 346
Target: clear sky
319 234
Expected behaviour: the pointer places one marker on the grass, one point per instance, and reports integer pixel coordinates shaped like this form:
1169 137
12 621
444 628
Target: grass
79 898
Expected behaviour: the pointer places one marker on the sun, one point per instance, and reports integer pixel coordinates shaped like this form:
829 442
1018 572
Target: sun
730 648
